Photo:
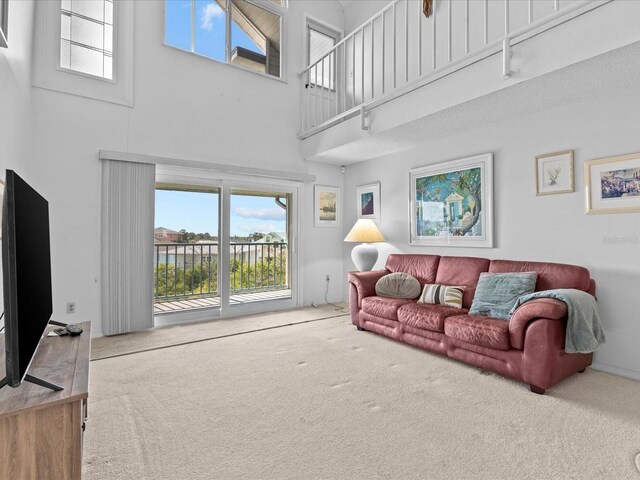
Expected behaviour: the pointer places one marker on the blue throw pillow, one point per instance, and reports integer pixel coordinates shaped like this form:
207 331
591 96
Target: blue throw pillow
497 293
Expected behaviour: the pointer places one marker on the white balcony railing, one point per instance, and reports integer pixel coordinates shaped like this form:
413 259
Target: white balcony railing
399 50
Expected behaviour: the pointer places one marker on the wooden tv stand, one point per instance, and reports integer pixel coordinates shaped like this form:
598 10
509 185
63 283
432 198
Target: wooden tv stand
41 430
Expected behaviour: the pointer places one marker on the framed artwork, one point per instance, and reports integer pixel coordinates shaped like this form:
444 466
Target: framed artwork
613 184
368 201
4 23
326 206
554 173
452 203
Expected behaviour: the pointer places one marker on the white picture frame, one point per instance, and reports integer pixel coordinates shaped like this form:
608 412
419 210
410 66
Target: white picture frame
554 173
451 203
326 206
368 201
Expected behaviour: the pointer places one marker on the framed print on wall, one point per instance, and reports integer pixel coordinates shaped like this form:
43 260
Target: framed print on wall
554 173
613 184
326 206
451 203
368 201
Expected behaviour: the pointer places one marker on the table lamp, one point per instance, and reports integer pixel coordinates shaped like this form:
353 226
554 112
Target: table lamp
364 256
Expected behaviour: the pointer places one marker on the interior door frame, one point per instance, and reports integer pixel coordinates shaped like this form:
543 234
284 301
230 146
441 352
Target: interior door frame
225 183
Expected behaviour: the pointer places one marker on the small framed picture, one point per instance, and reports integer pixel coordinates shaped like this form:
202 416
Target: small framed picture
368 201
613 184
326 206
554 173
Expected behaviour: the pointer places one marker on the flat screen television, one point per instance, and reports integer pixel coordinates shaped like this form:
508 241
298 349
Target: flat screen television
26 269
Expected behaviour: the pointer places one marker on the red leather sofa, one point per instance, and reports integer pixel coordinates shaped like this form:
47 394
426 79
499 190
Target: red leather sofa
529 347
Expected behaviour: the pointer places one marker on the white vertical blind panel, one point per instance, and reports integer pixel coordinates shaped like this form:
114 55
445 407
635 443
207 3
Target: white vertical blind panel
128 196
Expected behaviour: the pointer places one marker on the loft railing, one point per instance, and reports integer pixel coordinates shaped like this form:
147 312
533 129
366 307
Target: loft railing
399 50
190 270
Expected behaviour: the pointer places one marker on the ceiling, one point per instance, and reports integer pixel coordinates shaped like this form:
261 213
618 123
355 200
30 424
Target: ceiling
347 3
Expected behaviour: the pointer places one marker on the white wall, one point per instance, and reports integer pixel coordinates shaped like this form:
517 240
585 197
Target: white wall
15 89
185 106
549 228
16 119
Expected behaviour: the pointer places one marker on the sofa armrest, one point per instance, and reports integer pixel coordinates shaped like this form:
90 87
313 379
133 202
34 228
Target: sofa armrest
365 282
539 308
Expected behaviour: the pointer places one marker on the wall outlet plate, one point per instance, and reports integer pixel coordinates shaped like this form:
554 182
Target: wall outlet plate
71 307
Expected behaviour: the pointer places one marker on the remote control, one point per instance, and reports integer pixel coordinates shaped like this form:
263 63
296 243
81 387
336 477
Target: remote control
74 329
61 332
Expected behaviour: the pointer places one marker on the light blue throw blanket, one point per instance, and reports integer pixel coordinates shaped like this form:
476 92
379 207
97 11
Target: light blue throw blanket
584 328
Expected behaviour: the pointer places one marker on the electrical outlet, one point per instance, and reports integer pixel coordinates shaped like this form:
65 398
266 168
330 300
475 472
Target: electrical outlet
71 307
328 278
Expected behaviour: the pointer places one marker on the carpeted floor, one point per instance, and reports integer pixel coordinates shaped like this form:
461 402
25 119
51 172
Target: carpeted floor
322 400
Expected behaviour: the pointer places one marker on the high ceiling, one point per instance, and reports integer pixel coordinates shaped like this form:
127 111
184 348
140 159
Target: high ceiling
347 3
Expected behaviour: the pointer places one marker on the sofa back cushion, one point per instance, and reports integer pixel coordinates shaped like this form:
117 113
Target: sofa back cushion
462 271
422 267
550 275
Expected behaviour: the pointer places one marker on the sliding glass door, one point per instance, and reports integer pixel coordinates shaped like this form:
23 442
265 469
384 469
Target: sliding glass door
186 248
259 246
223 248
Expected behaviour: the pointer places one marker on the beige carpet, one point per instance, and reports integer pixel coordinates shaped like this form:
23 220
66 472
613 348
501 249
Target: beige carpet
104 347
322 400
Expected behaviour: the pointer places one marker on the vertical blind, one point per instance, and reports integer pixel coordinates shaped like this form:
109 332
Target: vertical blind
128 196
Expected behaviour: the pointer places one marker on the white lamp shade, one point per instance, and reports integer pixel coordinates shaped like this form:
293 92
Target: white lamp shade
364 231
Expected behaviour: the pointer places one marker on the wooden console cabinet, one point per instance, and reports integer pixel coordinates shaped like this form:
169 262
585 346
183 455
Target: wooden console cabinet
41 430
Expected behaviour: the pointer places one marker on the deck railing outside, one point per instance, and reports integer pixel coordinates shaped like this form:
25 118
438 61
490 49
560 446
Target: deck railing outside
190 270
399 50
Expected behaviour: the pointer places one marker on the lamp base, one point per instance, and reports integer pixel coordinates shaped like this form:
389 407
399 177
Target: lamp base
364 256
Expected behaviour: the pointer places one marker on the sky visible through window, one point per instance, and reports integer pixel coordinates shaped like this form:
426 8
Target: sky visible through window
210 28
198 212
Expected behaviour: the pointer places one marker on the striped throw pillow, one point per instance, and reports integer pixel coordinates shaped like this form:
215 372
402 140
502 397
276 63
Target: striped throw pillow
442 295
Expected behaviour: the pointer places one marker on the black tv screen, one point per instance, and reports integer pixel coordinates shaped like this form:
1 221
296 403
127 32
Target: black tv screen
26 266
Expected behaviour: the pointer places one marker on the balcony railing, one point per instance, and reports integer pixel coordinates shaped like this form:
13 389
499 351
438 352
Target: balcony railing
190 270
399 50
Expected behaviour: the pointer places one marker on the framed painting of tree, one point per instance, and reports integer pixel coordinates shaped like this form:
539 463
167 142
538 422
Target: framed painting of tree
554 173
452 203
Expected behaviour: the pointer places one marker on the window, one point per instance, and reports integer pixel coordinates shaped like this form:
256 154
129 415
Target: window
4 22
320 39
238 32
86 37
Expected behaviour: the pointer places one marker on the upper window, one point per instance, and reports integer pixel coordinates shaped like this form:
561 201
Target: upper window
4 22
239 32
86 37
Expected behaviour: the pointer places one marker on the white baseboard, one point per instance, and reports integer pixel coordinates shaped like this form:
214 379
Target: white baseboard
623 372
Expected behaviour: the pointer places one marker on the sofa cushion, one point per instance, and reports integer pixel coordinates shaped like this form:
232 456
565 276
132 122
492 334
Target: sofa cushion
398 285
550 275
436 294
479 330
462 271
422 267
497 293
384 307
426 317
